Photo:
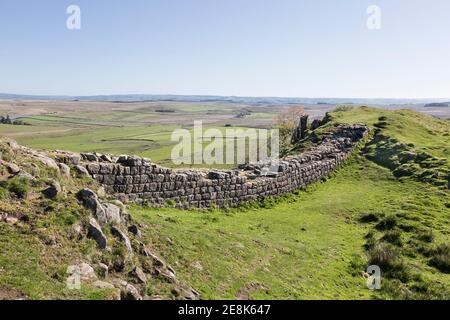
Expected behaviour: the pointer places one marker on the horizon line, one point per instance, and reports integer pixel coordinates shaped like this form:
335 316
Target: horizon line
214 95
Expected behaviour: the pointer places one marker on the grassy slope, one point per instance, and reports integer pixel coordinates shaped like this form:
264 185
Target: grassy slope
269 246
309 245
265 253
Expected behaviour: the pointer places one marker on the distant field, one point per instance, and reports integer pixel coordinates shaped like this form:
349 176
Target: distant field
142 129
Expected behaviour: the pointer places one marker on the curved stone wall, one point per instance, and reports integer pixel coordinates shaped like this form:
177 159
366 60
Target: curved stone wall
138 179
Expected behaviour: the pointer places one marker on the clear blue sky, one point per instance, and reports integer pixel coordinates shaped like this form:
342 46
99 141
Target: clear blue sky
292 48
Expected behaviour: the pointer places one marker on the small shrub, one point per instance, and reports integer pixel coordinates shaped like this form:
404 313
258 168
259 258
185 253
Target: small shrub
394 237
18 186
370 241
4 193
389 262
407 227
426 236
370 217
388 223
170 203
441 258
343 108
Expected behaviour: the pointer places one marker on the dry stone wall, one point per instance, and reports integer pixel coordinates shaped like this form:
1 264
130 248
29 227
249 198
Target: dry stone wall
137 179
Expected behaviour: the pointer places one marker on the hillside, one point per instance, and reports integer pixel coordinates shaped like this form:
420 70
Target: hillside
388 205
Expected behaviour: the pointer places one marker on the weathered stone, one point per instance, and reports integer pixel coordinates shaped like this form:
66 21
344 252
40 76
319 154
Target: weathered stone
95 232
139 275
315 124
11 167
77 229
103 270
129 292
64 169
106 158
122 237
87 273
11 220
102 285
133 229
47 161
90 201
112 213
53 190
81 171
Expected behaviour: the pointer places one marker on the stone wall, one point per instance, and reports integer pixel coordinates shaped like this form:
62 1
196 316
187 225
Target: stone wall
137 179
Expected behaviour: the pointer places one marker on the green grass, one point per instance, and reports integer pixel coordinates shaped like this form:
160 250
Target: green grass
313 244
303 248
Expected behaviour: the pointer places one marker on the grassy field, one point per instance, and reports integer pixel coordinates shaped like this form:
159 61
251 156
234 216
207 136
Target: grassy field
143 130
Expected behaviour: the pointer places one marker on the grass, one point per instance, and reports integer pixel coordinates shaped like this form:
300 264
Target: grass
313 244
304 247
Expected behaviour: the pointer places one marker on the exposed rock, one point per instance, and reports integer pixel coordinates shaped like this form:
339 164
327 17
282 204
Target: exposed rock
122 238
315 124
102 285
84 271
103 270
129 292
77 231
53 190
86 196
81 171
90 201
191 294
139 275
89 156
87 273
300 131
64 169
158 262
47 161
106 158
25 175
95 232
11 220
112 213
133 229
11 167
119 204
35 170
101 192
168 275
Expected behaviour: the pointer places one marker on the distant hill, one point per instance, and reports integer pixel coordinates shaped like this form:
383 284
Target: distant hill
437 105
223 99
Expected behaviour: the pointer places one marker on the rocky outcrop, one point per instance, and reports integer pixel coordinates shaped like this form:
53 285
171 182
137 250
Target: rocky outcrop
95 232
121 230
